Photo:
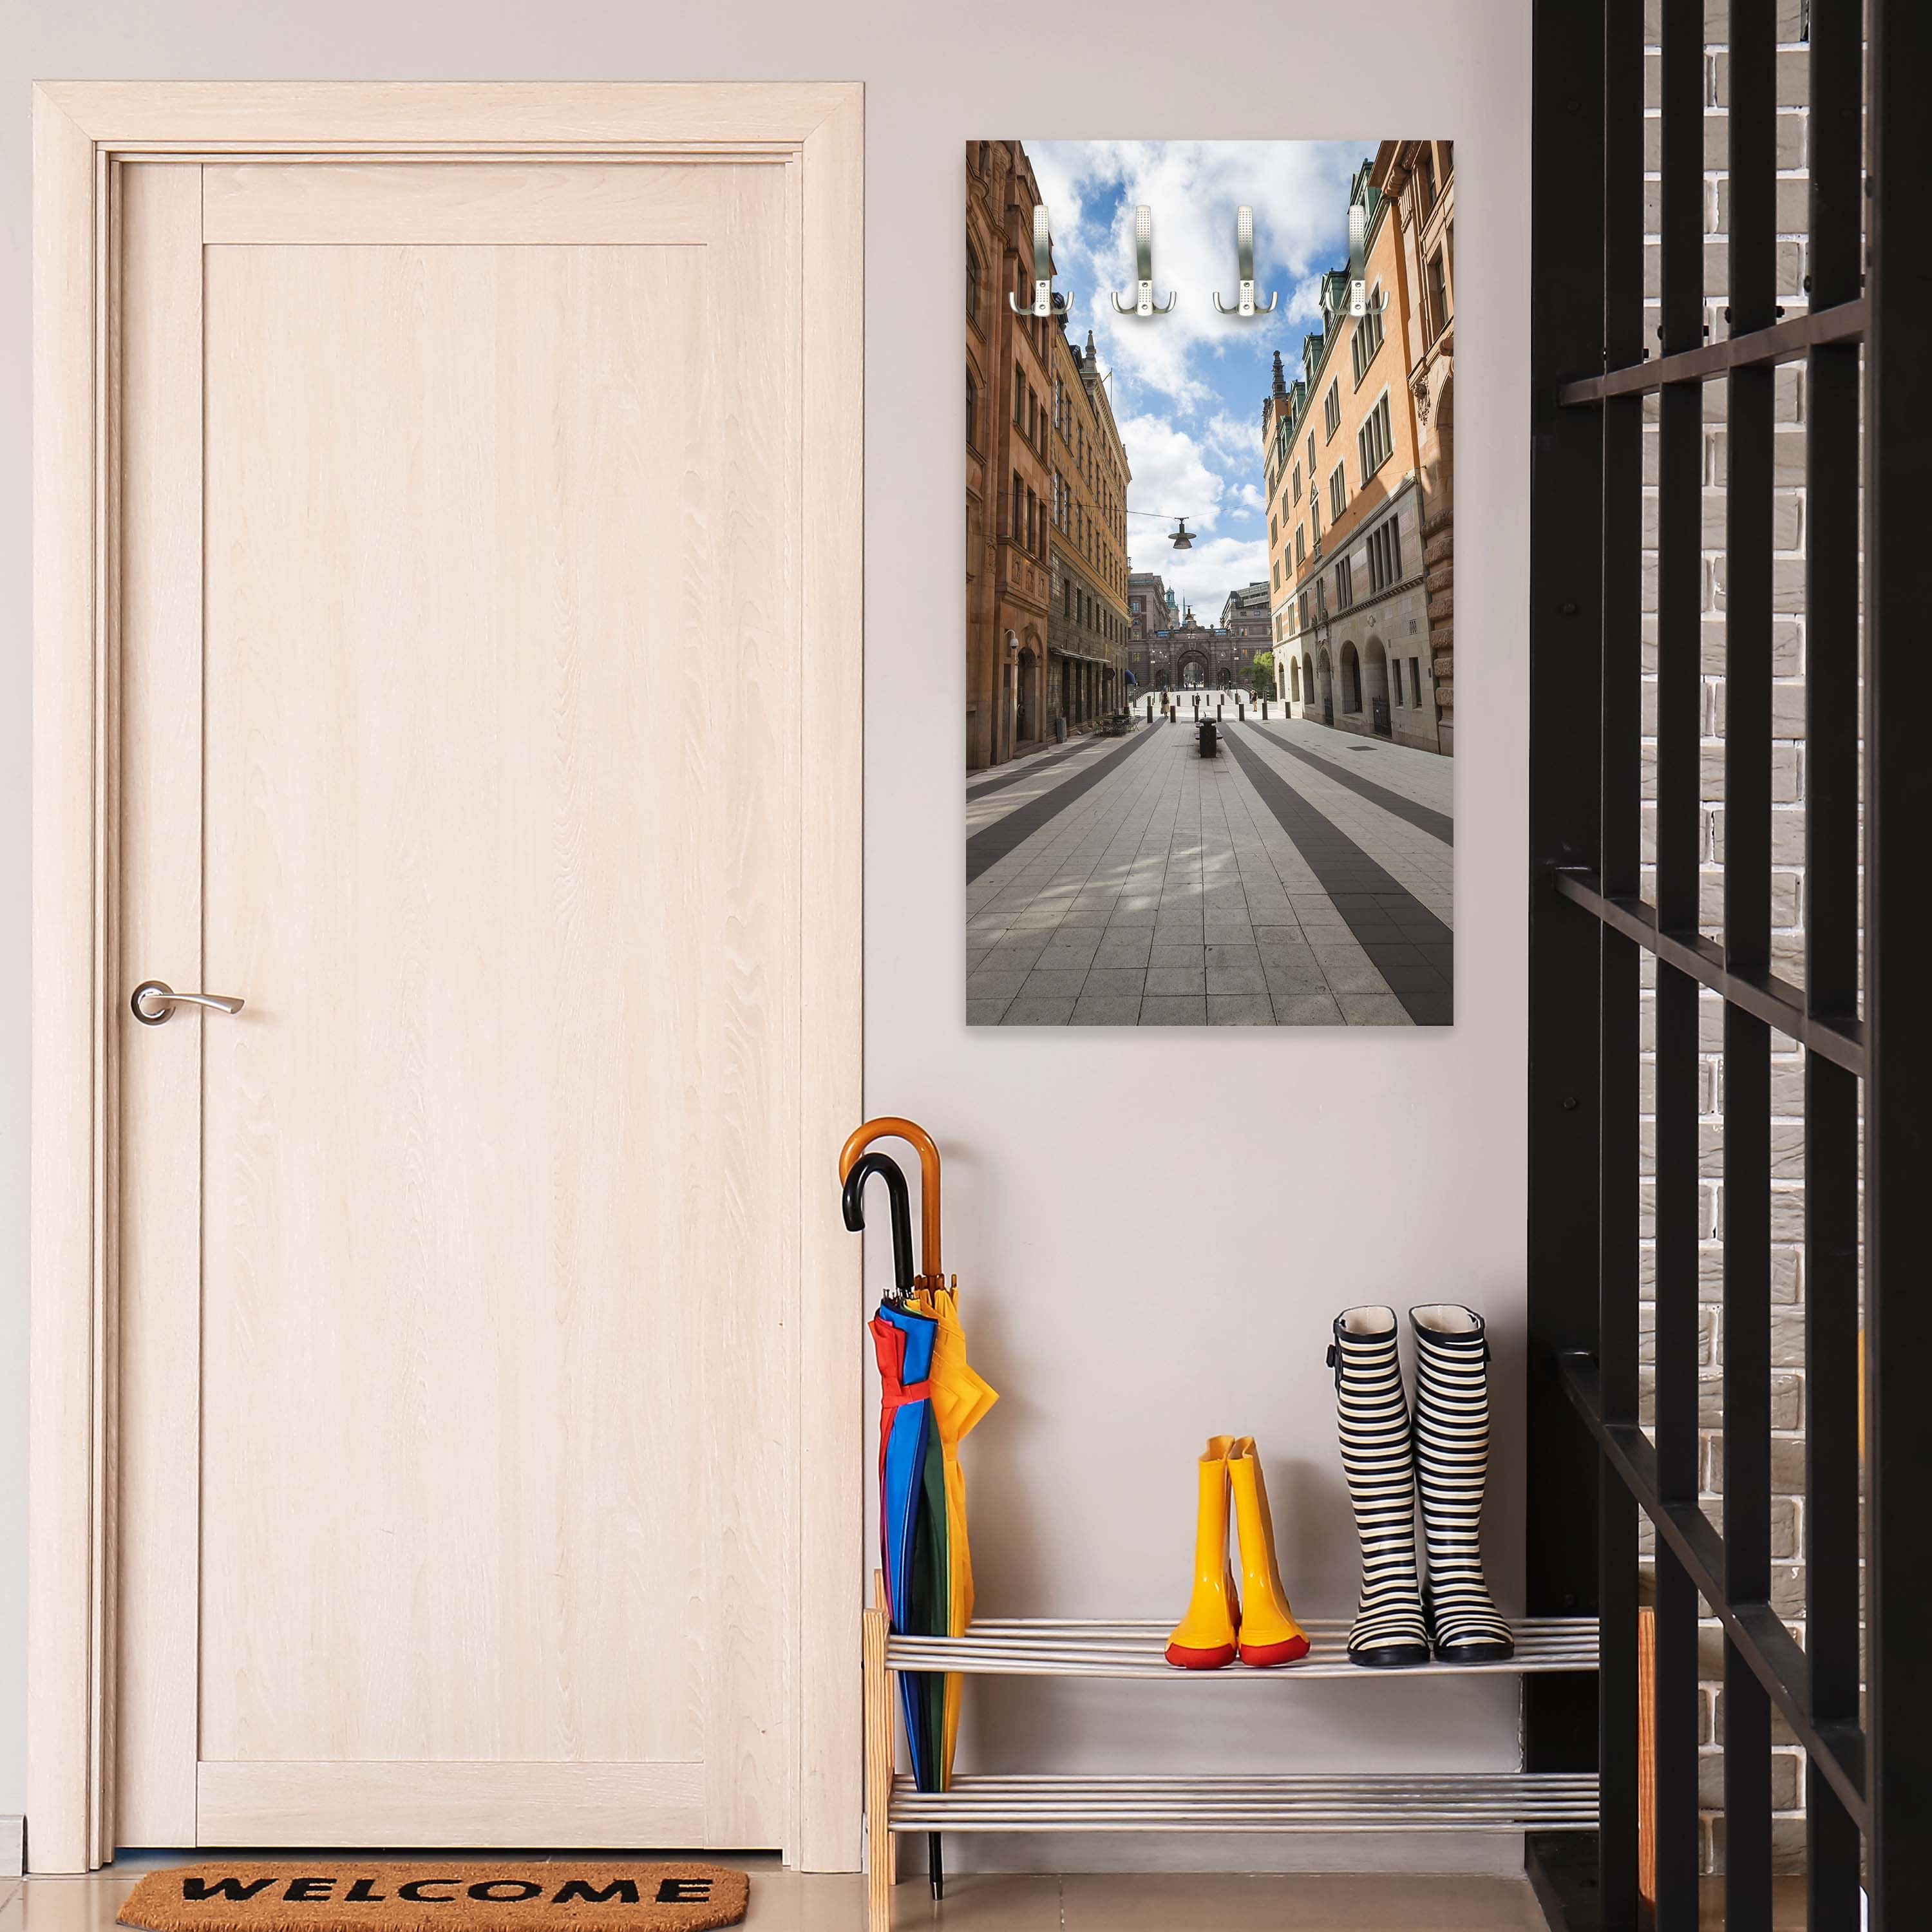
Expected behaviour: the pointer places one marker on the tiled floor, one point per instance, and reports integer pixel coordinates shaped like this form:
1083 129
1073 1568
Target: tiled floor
1301 878
783 1901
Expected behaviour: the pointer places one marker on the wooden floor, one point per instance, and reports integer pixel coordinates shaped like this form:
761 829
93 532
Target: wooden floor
783 1901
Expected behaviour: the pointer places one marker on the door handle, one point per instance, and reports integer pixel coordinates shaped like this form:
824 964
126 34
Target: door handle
155 1001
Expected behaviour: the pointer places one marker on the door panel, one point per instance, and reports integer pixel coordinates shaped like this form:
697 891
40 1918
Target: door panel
498 1218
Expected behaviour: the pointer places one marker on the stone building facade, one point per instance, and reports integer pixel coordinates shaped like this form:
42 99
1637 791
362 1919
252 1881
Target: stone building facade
1346 509
1009 383
1246 616
1147 616
1420 178
1087 617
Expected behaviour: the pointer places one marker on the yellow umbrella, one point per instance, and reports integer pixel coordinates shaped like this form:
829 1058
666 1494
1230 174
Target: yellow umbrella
960 1395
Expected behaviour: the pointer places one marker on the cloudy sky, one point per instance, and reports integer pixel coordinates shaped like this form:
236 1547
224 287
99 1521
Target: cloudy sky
1187 387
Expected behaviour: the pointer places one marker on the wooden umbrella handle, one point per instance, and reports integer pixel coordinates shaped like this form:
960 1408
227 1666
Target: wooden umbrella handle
932 1273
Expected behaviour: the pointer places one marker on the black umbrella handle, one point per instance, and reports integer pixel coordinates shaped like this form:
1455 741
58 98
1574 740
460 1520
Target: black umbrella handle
888 1170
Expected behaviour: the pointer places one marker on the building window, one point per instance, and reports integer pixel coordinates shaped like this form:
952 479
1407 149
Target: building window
1019 508
1438 294
1368 337
1331 408
972 283
1384 555
1415 679
1338 493
1019 396
1372 439
1301 610
1311 459
1345 584
1295 483
1395 667
1274 532
1300 545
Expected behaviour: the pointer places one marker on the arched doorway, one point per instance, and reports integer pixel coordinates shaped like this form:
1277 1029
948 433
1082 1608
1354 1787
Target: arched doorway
1190 671
1375 688
1352 680
1027 718
1294 680
1324 675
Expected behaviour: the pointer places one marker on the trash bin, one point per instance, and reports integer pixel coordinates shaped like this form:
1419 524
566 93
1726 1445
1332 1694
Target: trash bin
1060 731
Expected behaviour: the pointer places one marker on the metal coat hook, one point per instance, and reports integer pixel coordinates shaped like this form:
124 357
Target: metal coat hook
1358 269
1144 303
1045 304
1244 245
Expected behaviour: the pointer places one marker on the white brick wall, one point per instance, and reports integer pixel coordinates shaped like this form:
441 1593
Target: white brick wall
1788 784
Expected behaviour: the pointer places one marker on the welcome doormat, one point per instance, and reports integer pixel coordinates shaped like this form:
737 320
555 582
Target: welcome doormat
404 1895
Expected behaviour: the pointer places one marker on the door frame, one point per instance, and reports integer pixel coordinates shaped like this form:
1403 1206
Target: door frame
83 133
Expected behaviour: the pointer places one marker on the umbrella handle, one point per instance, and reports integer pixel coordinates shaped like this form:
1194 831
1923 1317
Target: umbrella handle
888 1170
886 1126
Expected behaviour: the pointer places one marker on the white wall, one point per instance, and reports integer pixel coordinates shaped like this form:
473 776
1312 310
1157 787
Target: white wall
1346 1165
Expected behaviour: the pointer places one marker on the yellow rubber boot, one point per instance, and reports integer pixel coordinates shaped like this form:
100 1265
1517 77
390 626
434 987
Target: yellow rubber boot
1204 1639
1269 1633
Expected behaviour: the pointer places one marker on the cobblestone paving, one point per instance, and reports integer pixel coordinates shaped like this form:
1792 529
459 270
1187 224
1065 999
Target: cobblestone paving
1173 890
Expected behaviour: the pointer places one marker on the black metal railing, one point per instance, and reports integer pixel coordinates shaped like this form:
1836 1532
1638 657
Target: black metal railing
1855 1691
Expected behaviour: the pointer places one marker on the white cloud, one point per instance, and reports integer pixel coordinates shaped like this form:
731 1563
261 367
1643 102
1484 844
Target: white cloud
1249 498
1171 477
1204 575
1238 442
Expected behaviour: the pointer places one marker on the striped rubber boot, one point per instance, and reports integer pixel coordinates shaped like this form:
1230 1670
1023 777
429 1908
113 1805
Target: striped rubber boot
1379 1461
1452 1458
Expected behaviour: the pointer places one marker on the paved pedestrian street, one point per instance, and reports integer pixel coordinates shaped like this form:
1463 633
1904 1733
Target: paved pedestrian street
1302 877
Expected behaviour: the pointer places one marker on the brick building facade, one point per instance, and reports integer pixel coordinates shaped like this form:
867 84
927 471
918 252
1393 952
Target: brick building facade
1087 617
1008 431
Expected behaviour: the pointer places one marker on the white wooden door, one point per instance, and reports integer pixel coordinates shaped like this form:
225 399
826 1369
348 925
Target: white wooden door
461 620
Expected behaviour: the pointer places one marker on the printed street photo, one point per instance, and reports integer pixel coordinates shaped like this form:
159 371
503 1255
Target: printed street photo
1211 640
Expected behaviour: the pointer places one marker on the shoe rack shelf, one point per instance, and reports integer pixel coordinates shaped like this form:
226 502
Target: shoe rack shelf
1052 1647
1287 1802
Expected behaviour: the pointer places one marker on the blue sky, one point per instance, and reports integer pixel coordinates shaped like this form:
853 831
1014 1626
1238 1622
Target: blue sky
1186 388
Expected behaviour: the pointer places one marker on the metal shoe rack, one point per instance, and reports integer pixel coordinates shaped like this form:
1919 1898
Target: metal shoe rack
1125 1801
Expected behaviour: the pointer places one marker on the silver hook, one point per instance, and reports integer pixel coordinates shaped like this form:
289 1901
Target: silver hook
1045 303
1244 248
1358 268
1144 303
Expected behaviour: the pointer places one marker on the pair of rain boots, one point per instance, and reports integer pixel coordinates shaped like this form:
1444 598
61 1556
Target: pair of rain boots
1252 1621
1444 1453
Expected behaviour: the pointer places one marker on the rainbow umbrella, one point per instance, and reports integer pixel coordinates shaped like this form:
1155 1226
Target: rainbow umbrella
927 1351
912 1487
